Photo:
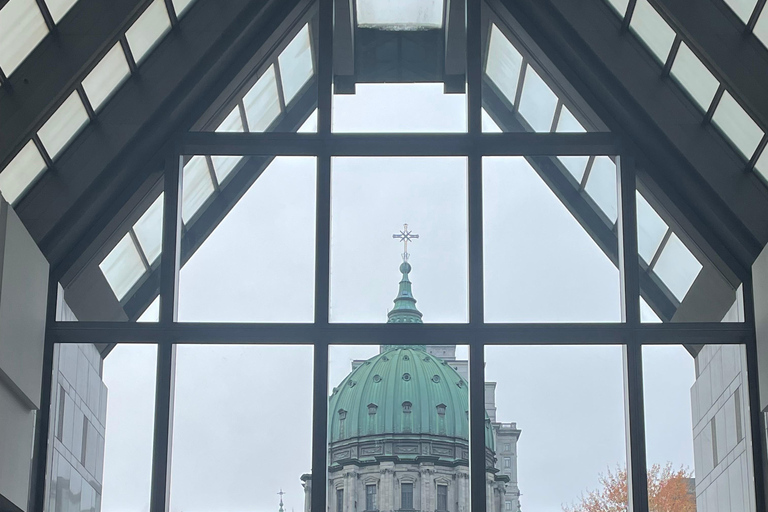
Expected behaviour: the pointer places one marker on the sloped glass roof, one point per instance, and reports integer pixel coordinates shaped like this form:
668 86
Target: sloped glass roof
22 27
147 30
651 28
296 66
106 76
400 14
63 125
694 77
23 170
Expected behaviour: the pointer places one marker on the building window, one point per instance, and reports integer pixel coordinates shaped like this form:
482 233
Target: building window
507 505
339 500
62 400
442 498
507 462
739 427
85 440
406 496
407 407
370 497
507 447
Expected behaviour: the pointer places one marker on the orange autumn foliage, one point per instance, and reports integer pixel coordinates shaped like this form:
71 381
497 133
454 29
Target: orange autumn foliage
669 490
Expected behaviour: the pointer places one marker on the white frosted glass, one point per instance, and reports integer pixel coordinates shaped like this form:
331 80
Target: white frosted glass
489 125
737 126
296 64
400 14
761 166
22 27
181 6
652 29
261 103
232 123
650 229
147 30
677 267
223 165
106 76
21 172
694 77
742 8
122 267
601 186
537 102
149 230
576 165
58 8
761 27
620 6
503 65
63 125
567 123
197 187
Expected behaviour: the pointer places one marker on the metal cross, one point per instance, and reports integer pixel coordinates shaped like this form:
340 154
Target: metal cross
281 495
405 236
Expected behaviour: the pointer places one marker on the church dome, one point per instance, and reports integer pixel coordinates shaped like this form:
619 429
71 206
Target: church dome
403 390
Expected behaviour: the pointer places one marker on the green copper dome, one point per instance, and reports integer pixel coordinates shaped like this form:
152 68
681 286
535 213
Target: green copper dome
402 391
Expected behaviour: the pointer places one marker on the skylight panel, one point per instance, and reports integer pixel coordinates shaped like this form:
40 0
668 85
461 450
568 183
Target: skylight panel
296 64
503 65
181 6
647 315
261 102
152 313
537 102
310 125
58 8
620 6
651 28
694 77
567 123
147 30
737 125
677 267
489 125
576 165
601 186
123 267
650 229
223 165
105 78
233 122
63 125
22 27
742 8
761 27
400 14
761 166
149 230
197 187
21 172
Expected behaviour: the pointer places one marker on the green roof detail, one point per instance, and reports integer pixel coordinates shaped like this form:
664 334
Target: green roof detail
405 311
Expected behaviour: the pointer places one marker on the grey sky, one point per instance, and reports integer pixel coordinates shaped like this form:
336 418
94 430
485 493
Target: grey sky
243 414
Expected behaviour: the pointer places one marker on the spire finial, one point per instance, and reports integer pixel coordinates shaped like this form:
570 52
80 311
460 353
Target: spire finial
405 236
281 499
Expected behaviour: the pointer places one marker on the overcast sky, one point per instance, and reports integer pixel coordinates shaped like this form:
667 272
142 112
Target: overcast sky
242 428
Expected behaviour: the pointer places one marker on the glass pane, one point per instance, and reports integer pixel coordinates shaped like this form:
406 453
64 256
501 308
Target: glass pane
694 77
399 108
152 313
106 77
489 125
540 263
742 8
737 125
233 122
576 165
147 30
63 125
647 314
58 8
677 267
568 123
391 409
372 199
258 264
652 29
503 65
223 451
296 64
21 172
101 427
198 186
761 27
620 6
557 465
224 165
698 438
261 102
601 186
149 230
761 166
650 229
537 102
123 267
400 14
181 6
21 27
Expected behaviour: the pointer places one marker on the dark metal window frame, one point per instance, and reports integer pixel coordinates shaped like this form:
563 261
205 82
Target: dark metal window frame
631 334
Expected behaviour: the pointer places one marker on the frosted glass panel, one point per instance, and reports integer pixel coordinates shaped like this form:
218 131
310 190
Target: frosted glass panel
489 125
694 77
761 27
761 165
21 172
296 64
197 187
504 62
122 267
63 125
737 126
261 104
149 230
652 29
223 165
147 30
232 123
601 186
576 165
742 8
650 229
400 14
21 27
619 5
108 74
677 267
58 8
181 6
568 123
537 102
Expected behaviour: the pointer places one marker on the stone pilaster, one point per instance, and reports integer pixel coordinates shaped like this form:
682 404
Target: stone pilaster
387 495
427 473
